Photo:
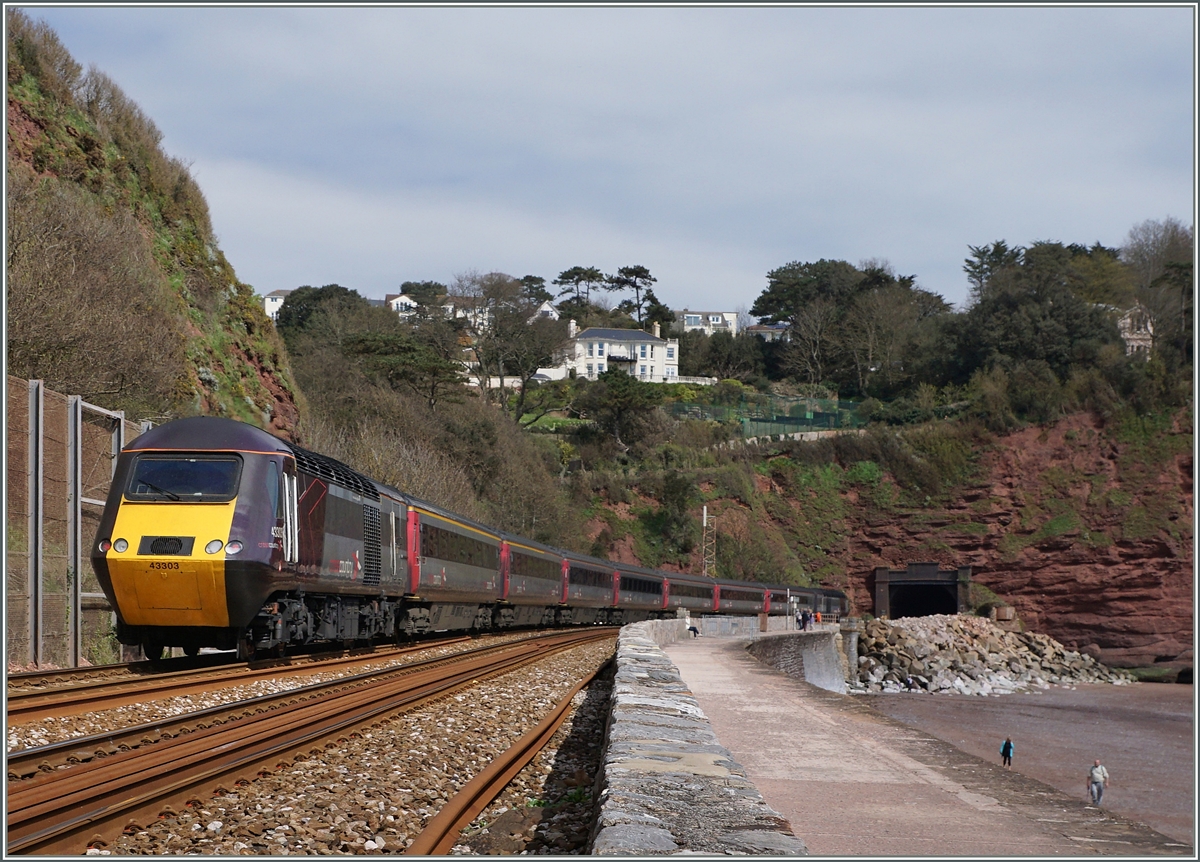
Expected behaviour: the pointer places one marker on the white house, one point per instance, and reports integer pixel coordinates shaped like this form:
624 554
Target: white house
709 322
1137 330
272 301
401 303
546 309
769 331
643 355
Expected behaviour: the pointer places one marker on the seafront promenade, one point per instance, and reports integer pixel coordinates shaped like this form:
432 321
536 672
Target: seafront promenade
854 782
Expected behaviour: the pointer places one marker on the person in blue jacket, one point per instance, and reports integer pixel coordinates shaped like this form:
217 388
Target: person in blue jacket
1006 752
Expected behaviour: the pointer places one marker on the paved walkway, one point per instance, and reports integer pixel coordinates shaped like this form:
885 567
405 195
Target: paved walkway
853 782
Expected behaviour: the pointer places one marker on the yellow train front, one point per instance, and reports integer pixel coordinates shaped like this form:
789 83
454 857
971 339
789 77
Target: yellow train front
192 540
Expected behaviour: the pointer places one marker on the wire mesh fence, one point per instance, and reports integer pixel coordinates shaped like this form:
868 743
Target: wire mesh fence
764 415
61 453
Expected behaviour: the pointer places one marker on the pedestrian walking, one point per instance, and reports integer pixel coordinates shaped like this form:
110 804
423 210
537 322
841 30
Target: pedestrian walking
1097 781
1006 751
805 616
818 617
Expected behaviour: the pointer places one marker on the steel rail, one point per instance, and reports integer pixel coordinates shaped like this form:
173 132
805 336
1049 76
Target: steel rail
62 811
25 763
95 695
442 831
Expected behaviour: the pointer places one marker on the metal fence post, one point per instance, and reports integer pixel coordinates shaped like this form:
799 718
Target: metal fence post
36 488
74 527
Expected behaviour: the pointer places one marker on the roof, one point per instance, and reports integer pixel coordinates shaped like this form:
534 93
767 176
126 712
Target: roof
619 335
279 293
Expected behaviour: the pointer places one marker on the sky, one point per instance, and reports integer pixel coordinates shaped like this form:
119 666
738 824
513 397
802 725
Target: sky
370 146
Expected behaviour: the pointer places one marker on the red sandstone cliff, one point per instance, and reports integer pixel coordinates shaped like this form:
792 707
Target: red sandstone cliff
1112 574
1085 531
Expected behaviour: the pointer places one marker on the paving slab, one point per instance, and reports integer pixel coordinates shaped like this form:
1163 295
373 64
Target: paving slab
854 782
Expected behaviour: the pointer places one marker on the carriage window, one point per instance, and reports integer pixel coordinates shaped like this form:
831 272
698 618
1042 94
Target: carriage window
590 578
184 479
273 487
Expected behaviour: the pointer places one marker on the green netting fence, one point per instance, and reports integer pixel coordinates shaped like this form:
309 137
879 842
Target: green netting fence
760 416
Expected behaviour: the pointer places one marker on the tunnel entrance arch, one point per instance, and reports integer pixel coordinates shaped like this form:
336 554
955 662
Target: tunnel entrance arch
921 590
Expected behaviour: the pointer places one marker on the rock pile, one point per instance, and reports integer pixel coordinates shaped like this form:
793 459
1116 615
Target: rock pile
968 655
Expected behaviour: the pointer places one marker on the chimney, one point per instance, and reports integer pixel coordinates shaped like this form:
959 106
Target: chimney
657 330
572 328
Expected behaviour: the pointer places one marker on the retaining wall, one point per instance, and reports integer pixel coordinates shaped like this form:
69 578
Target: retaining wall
815 657
667 785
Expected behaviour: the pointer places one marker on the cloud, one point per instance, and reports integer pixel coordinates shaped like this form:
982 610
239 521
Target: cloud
709 144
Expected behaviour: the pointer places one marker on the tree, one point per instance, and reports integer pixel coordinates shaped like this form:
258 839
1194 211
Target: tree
987 260
813 345
617 402
793 288
1029 313
305 304
658 313
578 282
424 363
536 401
635 278
875 332
528 346
533 288
1151 245
426 293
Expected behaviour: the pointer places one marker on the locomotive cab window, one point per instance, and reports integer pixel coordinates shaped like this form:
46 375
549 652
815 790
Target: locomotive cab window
184 478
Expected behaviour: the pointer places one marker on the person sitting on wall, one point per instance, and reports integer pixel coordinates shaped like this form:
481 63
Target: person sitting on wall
695 631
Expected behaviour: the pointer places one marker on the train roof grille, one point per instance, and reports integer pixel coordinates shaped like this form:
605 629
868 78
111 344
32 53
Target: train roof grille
334 471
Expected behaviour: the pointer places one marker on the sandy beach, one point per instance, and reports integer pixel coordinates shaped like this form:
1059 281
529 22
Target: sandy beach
1142 733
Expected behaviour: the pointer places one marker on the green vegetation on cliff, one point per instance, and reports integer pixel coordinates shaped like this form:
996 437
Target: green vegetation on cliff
117 289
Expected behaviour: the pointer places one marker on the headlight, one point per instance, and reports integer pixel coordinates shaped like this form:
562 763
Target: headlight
120 546
213 546
233 547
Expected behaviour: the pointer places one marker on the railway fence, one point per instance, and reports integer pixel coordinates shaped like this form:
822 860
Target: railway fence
61 452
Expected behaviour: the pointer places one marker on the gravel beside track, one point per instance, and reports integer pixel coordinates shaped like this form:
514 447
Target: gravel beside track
549 808
56 729
371 793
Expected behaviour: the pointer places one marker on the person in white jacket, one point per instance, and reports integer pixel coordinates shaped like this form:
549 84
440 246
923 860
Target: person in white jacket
1097 781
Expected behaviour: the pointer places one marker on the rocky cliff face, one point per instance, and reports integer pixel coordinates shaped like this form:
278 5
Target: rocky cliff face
1085 530
1089 538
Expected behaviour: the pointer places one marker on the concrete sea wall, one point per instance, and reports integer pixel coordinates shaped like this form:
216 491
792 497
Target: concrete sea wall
813 656
667 786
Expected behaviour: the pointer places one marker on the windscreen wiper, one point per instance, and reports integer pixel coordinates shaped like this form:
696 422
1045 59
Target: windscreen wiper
168 494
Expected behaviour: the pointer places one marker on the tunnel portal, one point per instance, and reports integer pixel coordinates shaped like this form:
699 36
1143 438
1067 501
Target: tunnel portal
921 590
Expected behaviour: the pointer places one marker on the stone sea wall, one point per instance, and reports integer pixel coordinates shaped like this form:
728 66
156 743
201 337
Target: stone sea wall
667 786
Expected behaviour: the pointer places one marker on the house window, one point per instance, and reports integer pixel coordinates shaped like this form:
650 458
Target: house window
714 318
600 349
643 371
670 353
589 369
599 369
691 320
651 351
643 354
591 347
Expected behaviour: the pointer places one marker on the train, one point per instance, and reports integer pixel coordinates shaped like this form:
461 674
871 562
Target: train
218 534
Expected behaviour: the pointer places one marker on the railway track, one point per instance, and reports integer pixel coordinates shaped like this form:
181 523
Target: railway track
92 693
63 810
442 831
